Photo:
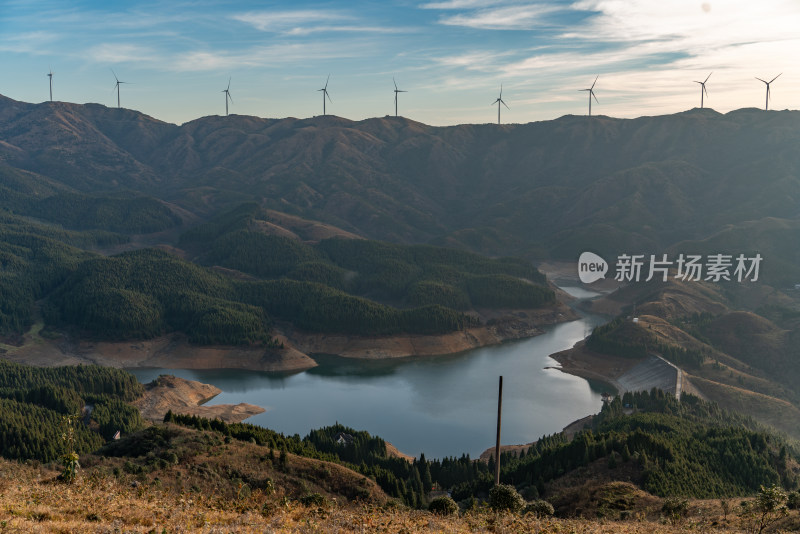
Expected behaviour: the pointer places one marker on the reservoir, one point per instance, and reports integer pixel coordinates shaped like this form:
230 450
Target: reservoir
442 406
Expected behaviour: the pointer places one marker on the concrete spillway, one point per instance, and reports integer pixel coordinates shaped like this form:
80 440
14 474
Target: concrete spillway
654 372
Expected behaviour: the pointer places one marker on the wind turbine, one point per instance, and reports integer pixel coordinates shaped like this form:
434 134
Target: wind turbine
50 75
228 96
766 106
116 86
498 102
325 93
703 89
591 94
396 90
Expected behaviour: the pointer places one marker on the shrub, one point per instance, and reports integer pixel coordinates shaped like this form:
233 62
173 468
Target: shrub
793 501
313 499
768 507
539 508
505 497
443 505
675 508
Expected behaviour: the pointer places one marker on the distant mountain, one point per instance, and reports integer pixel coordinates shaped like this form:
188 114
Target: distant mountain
544 189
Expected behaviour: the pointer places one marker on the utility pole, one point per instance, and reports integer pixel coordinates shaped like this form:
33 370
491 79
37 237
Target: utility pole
497 446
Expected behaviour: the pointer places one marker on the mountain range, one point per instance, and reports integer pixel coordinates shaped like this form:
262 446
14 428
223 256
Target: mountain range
548 189
247 211
238 230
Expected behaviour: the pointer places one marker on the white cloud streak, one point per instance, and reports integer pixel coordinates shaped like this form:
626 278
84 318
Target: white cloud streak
523 17
301 23
461 4
282 21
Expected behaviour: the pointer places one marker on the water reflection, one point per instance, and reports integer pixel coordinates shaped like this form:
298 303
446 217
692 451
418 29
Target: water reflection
442 406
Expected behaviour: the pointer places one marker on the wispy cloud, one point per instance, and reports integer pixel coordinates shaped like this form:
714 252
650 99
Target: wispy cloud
286 21
307 30
683 22
449 53
477 60
263 56
461 4
35 42
111 53
524 17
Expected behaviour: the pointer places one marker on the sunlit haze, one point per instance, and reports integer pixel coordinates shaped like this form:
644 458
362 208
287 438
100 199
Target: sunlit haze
451 56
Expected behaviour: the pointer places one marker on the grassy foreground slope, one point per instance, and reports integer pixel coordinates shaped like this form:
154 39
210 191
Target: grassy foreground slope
193 473
33 502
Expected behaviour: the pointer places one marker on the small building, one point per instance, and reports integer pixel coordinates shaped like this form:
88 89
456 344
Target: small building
117 435
607 397
343 438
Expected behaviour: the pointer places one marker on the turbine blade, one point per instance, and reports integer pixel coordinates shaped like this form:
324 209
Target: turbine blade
329 97
501 92
115 75
229 84
395 83
759 79
775 78
705 90
595 97
595 81
326 81
709 76
506 105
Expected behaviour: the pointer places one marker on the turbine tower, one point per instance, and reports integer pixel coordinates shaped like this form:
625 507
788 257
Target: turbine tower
766 106
116 86
396 90
325 93
498 102
703 89
591 94
50 75
228 96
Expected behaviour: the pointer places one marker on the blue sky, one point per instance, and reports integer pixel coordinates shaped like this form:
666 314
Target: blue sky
451 55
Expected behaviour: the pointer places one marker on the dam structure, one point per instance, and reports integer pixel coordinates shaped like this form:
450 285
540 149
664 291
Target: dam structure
654 372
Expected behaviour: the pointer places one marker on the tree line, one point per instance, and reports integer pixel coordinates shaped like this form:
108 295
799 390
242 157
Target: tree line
35 400
688 448
622 337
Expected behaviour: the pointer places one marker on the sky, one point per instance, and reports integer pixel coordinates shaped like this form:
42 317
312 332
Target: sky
451 56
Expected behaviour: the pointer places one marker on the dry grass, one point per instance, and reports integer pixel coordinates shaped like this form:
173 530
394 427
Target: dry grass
34 502
768 410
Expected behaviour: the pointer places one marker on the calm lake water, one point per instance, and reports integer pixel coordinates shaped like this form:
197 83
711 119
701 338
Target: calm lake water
442 406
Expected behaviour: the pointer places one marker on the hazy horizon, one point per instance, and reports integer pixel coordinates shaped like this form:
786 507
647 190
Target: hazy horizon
451 56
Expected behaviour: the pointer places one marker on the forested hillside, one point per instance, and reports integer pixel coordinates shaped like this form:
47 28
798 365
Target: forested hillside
355 287
545 189
688 448
35 402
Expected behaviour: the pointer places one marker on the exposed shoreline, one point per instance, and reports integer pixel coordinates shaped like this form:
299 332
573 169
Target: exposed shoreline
175 352
499 327
181 396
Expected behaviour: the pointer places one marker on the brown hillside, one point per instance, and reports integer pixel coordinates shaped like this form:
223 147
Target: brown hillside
34 502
